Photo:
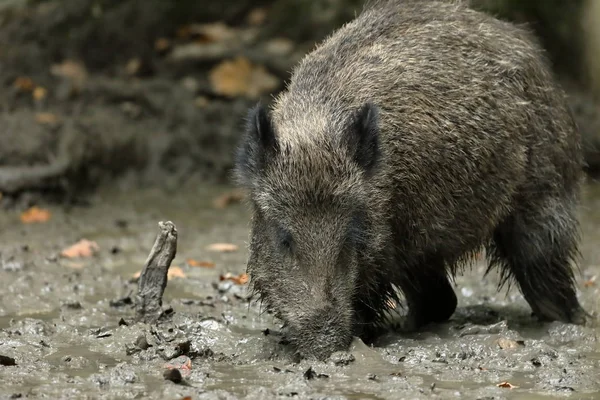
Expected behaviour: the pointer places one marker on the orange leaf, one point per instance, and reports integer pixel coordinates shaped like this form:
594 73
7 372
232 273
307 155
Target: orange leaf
203 264
46 118
590 282
162 44
506 385
24 84
240 279
257 16
39 93
239 77
35 214
72 70
83 248
175 272
226 199
222 247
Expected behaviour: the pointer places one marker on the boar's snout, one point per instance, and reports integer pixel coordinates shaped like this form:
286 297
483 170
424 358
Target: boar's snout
323 333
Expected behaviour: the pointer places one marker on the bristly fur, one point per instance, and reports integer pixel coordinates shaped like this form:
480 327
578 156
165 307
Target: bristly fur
409 140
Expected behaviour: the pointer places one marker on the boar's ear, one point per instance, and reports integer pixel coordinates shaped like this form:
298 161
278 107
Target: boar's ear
363 136
258 145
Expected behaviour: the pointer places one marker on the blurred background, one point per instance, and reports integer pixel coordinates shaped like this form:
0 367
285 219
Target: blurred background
154 92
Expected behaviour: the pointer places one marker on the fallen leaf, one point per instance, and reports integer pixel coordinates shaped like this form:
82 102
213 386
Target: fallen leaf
504 343
202 264
239 77
240 279
35 214
136 274
257 16
482 368
506 385
175 272
162 45
133 66
222 247
72 70
39 93
227 199
24 84
207 33
83 248
46 118
590 282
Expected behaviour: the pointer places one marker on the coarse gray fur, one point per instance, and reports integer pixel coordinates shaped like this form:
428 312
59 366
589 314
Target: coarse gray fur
410 139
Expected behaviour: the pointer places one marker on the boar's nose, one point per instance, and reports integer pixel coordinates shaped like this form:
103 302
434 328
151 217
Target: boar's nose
326 331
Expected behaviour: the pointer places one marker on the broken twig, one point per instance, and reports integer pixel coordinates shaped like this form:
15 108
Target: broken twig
153 280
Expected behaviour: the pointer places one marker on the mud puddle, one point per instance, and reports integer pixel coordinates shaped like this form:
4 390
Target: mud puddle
67 323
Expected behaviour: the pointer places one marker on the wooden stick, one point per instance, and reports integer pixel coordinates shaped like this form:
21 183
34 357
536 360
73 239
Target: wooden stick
153 279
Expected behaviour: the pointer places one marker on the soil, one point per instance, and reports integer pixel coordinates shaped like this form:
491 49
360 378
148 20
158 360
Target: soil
67 324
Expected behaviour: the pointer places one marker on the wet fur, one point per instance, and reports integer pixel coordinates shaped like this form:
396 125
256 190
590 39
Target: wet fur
442 132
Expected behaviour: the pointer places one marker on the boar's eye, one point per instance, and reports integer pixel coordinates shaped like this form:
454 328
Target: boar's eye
285 240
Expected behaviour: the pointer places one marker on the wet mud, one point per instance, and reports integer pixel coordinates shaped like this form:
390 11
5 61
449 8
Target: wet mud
67 326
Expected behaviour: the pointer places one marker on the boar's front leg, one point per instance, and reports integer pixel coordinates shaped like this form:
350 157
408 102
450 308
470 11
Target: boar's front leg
428 293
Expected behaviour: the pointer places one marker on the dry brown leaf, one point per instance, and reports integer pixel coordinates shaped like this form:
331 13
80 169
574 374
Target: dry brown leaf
506 385
256 17
590 282
175 272
239 77
24 84
207 33
162 45
46 118
229 198
223 247
482 368
39 93
133 66
504 343
83 248
202 264
240 279
72 70
35 214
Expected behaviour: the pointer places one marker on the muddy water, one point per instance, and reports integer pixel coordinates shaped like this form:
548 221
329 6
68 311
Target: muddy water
68 323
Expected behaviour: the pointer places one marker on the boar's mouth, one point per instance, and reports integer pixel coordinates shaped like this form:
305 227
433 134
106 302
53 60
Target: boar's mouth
319 335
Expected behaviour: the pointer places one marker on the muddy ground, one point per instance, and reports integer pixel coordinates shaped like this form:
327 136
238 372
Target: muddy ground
67 323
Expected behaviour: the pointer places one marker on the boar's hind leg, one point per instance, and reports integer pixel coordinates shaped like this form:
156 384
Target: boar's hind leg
429 294
537 246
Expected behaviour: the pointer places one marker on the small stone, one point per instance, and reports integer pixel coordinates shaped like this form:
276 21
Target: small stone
341 358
